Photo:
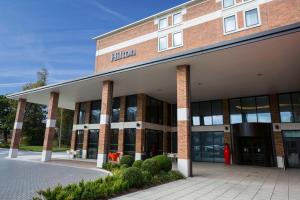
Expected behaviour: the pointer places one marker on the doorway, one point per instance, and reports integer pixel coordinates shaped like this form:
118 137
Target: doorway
292 148
153 143
93 144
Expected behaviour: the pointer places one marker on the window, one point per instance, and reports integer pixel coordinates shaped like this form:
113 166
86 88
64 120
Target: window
263 109
235 111
163 23
177 39
154 110
115 109
217 112
177 18
251 17
95 112
172 142
289 105
131 108
93 144
163 43
129 141
230 24
81 115
228 3
249 110
79 142
113 142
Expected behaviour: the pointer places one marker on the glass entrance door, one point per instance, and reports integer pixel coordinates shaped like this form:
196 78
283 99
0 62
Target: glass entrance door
292 148
153 143
93 144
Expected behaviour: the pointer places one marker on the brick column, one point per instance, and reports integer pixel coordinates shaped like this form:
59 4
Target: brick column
278 140
86 130
50 127
74 131
140 130
16 138
226 121
122 119
106 106
165 123
183 120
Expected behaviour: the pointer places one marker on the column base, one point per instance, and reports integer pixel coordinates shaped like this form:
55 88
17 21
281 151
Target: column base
13 153
138 156
183 166
46 156
280 162
84 154
102 158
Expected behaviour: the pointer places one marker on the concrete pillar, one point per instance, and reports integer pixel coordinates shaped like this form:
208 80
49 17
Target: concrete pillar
278 140
106 106
16 138
140 130
165 123
50 127
183 120
86 130
74 131
121 119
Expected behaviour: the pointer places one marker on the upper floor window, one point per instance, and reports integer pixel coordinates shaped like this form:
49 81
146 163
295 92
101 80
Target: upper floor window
131 108
177 18
115 109
251 17
207 113
228 3
163 43
81 114
230 24
95 112
177 39
289 106
163 23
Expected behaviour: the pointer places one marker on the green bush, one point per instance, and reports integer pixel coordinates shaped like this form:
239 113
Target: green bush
133 176
175 175
147 177
110 166
164 162
151 166
138 164
127 160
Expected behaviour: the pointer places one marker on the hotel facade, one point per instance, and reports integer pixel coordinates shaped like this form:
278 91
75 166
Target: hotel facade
185 82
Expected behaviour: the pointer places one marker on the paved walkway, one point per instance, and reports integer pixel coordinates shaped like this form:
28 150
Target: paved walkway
215 181
19 179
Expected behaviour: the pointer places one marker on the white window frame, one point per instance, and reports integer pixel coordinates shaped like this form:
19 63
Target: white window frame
236 24
173 18
258 16
166 17
234 4
181 39
158 47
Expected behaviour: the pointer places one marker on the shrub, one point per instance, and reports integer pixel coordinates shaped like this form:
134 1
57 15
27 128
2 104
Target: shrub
164 162
175 175
151 166
110 166
127 160
133 176
138 164
147 177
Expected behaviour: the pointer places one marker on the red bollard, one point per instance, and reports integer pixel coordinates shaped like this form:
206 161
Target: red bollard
227 154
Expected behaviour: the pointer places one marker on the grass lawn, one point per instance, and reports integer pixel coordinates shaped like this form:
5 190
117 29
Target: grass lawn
40 148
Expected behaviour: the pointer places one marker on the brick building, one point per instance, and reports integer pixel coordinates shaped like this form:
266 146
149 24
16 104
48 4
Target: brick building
185 82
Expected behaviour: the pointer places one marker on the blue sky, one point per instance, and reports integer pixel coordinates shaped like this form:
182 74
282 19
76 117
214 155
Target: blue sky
56 35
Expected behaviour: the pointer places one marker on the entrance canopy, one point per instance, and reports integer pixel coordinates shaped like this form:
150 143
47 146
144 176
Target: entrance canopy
263 63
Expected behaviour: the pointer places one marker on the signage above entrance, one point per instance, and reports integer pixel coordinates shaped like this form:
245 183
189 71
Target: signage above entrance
122 55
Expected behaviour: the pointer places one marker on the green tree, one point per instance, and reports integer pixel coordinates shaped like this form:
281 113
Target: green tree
7 116
64 124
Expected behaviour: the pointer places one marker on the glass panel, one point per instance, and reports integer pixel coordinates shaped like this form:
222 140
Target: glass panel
263 109
195 114
285 106
227 3
129 142
205 113
116 110
114 136
251 17
296 106
217 112
249 110
131 108
79 143
174 142
163 43
292 147
153 142
93 144
177 39
207 144
95 112
235 111
219 146
81 115
177 18
230 24
163 23
196 146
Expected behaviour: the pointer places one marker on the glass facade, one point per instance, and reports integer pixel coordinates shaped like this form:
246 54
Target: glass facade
292 148
289 107
250 109
81 114
131 108
129 141
208 146
79 143
153 142
207 113
93 144
113 142
115 110
172 142
95 112
154 110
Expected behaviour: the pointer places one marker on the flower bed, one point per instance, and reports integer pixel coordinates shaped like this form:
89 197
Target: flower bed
125 178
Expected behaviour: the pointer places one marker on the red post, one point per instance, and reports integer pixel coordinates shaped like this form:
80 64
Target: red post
227 154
